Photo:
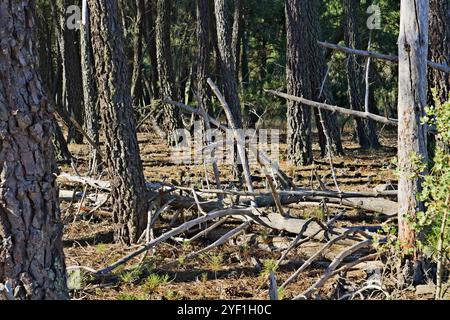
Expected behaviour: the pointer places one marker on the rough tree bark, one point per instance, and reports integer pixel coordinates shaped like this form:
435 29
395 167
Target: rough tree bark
365 132
31 257
306 58
172 120
90 94
439 52
203 27
237 34
122 149
72 81
136 79
150 36
224 40
297 73
413 51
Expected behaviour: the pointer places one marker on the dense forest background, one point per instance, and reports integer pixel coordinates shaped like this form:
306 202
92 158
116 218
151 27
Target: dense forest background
261 46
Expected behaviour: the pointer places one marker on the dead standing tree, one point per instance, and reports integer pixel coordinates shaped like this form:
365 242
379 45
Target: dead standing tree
413 51
122 150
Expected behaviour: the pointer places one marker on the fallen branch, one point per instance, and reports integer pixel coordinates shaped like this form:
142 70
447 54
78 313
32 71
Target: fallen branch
295 275
380 56
184 227
240 140
262 156
226 237
336 262
324 106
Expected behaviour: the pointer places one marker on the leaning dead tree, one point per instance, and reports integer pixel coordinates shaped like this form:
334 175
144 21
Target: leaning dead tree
122 148
32 262
413 54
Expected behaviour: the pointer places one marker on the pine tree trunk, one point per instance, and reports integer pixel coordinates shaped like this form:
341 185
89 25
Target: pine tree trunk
71 60
136 79
227 61
150 36
90 94
306 72
203 28
237 34
31 253
439 35
439 51
355 71
299 117
122 150
172 120
413 51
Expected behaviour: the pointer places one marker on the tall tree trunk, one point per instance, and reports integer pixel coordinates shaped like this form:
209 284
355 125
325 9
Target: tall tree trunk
122 150
71 60
50 79
137 88
413 54
367 136
439 51
203 28
237 34
150 36
90 94
439 35
306 73
172 120
245 69
31 256
227 61
297 73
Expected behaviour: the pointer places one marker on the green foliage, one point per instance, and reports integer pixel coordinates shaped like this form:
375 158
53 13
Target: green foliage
436 185
154 282
269 265
216 262
130 276
130 297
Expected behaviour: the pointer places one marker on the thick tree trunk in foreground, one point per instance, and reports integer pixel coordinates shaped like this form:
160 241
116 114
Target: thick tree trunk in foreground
31 256
413 51
172 120
122 149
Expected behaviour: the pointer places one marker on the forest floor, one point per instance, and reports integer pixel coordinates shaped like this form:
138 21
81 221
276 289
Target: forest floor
233 271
